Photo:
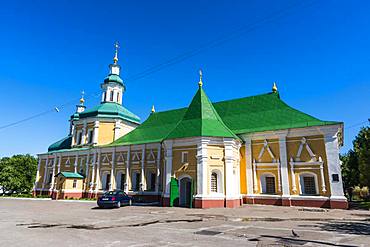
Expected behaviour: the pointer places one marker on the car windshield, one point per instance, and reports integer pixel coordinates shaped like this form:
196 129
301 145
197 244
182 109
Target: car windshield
111 193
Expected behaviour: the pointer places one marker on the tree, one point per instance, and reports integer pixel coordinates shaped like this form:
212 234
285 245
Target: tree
17 173
361 146
350 170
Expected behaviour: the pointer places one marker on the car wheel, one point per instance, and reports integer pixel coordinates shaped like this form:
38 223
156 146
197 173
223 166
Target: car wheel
118 204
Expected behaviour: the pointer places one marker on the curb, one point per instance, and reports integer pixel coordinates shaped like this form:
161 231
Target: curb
26 198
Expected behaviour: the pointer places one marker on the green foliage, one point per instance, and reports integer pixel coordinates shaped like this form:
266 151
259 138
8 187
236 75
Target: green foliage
350 171
17 173
356 163
361 146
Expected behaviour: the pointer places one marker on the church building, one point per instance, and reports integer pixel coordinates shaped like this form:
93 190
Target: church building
251 150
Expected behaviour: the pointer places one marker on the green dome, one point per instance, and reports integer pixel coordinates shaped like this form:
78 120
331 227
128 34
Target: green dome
113 78
110 110
64 143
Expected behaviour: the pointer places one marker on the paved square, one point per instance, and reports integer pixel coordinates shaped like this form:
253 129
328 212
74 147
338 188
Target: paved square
69 223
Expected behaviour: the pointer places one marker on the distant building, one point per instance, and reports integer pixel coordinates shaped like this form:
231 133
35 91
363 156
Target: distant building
252 150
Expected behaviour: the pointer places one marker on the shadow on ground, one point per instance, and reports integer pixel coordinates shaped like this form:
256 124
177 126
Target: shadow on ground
353 227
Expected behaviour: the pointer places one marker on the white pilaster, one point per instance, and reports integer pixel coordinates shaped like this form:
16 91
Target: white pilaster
59 162
230 185
45 172
323 186
255 181
332 156
248 165
202 157
112 177
97 179
87 171
127 169
84 132
158 168
294 186
37 173
284 166
96 132
53 178
74 131
117 127
76 163
92 181
168 168
142 180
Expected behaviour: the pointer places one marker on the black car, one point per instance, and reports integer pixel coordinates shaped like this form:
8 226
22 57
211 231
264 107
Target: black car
116 198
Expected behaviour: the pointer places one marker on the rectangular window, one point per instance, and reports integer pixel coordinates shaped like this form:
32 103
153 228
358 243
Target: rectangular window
184 157
50 178
137 181
111 95
90 136
270 185
309 185
152 181
75 184
123 180
79 137
107 182
214 182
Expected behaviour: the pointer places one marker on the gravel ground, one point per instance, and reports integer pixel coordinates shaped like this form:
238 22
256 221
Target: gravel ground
79 223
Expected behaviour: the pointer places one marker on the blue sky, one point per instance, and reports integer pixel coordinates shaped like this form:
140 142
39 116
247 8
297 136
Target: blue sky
50 51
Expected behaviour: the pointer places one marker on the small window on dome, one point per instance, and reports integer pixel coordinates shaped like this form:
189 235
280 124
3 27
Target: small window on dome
111 95
118 97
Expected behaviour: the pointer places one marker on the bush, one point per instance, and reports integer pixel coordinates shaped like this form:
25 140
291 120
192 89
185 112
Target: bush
364 193
356 192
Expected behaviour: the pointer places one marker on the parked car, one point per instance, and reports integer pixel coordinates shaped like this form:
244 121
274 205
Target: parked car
116 198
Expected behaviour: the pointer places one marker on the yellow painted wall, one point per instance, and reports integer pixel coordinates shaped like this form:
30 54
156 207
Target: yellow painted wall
258 145
215 162
191 169
68 184
243 175
317 145
106 133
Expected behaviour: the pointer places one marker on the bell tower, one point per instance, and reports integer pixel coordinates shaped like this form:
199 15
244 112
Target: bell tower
113 86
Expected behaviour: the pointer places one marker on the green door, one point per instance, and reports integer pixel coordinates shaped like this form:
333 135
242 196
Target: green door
174 192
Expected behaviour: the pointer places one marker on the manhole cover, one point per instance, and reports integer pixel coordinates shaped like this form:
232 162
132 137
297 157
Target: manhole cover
208 232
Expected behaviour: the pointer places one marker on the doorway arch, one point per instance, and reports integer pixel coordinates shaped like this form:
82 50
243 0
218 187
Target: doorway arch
185 191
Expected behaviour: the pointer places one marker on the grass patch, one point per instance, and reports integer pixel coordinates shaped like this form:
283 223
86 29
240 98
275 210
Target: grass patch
364 205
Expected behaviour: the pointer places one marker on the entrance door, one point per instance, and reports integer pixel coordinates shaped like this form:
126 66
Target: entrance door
185 192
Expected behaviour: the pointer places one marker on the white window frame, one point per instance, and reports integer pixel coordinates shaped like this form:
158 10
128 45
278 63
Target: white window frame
90 136
183 155
301 183
79 137
220 187
263 182
74 184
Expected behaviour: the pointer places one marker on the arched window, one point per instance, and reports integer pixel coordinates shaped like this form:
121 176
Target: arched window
111 95
214 187
117 97
308 183
268 184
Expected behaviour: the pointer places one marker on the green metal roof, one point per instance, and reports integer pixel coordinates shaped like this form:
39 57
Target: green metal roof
154 129
262 113
200 119
64 143
245 115
70 175
113 78
110 110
